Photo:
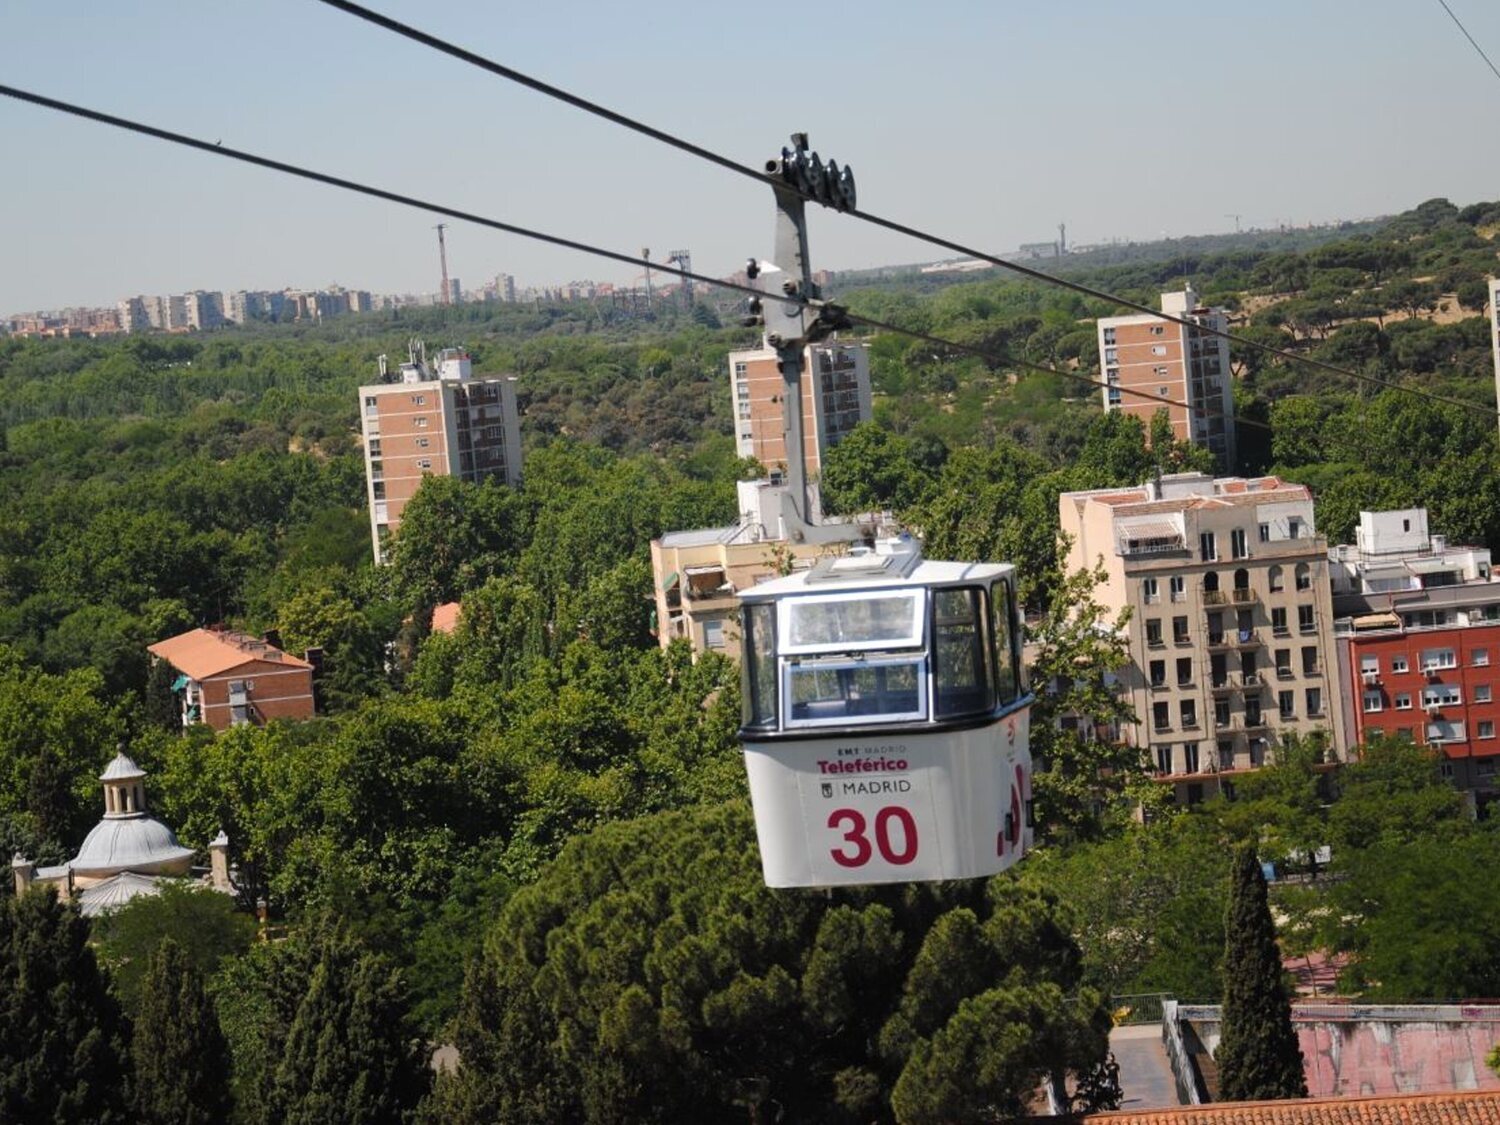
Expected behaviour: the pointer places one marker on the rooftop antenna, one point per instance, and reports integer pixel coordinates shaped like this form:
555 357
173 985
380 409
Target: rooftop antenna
1236 218
646 256
447 297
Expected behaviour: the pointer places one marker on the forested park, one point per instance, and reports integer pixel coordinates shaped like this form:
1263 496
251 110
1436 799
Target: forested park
529 838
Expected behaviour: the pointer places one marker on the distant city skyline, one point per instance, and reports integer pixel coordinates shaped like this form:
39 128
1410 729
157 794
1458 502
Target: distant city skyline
986 123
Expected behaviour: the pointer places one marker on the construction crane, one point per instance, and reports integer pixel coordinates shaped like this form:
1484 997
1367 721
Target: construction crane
447 297
685 261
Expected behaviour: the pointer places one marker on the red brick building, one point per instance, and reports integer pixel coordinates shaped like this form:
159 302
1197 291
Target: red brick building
1418 640
227 679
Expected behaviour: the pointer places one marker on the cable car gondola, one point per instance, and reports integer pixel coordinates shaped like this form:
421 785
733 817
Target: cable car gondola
885 723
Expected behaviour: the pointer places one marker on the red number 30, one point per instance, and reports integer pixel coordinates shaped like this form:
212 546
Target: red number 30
854 835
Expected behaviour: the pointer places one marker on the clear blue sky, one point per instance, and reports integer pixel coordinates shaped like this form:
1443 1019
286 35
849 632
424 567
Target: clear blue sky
987 121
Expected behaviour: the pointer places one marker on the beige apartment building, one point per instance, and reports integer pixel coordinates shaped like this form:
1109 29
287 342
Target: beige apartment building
1231 623
434 423
835 399
698 572
1161 360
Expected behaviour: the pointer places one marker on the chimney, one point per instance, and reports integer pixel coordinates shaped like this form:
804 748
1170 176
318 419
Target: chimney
218 863
24 871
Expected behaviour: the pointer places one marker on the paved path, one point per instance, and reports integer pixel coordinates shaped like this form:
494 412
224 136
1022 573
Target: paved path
1145 1078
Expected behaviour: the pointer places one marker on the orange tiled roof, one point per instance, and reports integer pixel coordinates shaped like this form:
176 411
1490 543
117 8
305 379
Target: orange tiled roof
445 617
1472 1107
209 652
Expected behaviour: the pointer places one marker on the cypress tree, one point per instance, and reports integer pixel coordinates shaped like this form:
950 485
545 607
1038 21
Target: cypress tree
62 1055
181 1058
1258 1056
352 1056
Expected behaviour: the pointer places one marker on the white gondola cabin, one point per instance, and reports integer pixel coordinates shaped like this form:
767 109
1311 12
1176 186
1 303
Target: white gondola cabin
885 726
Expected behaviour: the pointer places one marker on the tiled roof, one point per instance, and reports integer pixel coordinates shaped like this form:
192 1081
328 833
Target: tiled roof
1468 1108
445 617
208 652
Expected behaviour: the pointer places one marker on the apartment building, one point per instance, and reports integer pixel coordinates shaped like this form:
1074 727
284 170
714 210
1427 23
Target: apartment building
228 679
442 422
698 572
835 399
1231 622
1162 361
1418 636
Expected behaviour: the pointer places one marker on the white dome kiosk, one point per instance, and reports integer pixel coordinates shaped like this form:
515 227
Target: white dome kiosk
885 725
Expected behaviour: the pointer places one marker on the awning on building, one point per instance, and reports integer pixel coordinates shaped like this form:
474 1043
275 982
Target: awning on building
1376 621
179 683
669 581
706 568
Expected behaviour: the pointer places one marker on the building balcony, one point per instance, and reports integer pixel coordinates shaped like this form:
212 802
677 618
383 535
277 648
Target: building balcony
1215 597
1218 641
1247 638
1244 596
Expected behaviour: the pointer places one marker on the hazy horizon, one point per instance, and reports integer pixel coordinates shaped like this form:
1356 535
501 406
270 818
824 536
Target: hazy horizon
985 123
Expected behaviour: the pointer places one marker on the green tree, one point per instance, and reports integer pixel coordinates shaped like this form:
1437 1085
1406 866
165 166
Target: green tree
204 928
62 1054
352 1055
1083 768
1394 793
181 1058
1258 1056
721 995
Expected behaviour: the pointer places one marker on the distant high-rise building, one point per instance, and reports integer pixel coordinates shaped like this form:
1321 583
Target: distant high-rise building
1163 360
443 423
133 315
835 399
176 314
202 310
455 291
506 284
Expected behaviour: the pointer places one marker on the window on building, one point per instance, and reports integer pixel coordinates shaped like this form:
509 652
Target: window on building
1314 702
1238 547
713 635
1208 550
1161 716
1215 628
1305 621
1158 673
1284 663
1164 759
1178 587
1481 657
1159 371
1373 702
372 447
1446 731
1188 709
423 443
1444 695
1157 329
1184 671
1486 728
1403 701
1221 712
1189 757
1265 533
1304 576
1369 666
420 422
1252 713
1275 580
1294 528
1286 703
1149 591
1163 391
1398 664
1180 630
1158 349
424 464
419 400
1481 693
1109 335
1278 621
1247 667
1309 660
1435 659
1153 631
